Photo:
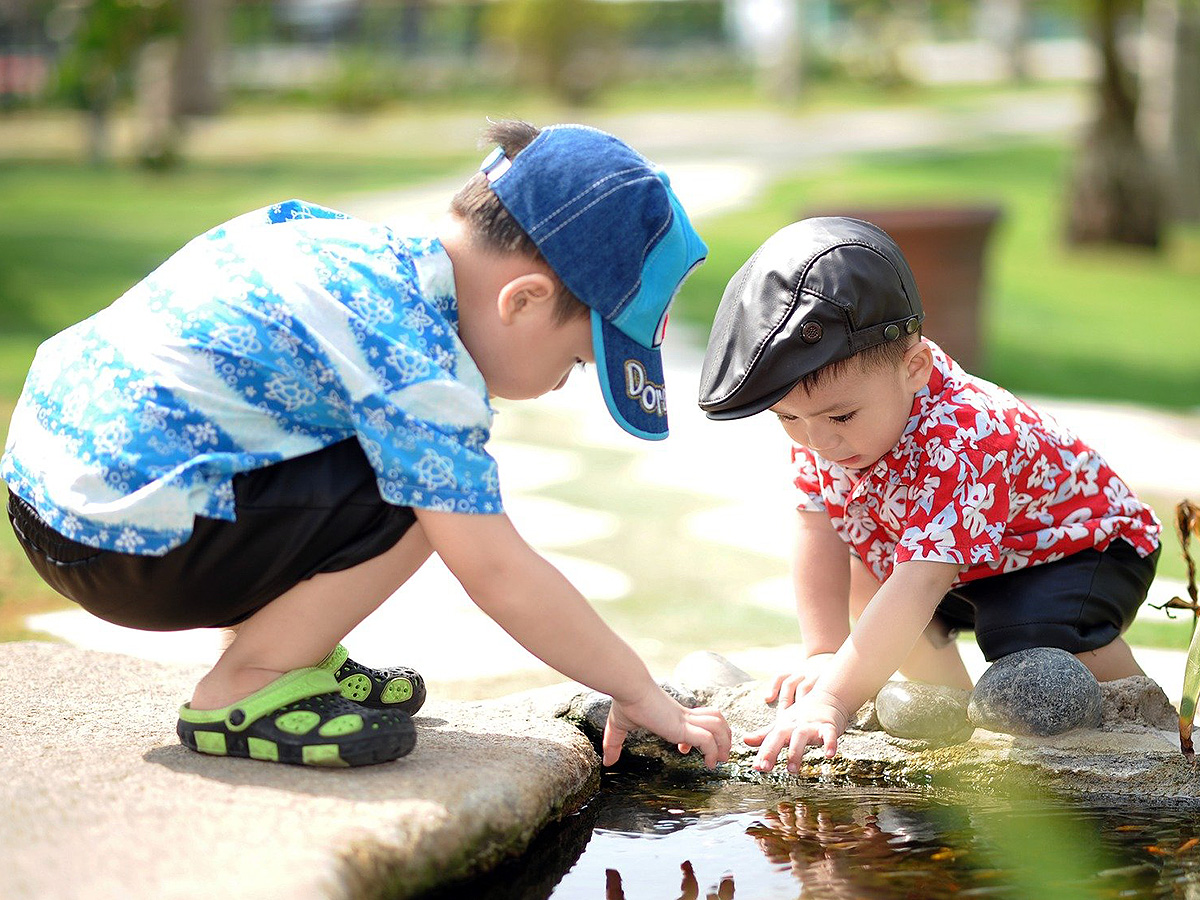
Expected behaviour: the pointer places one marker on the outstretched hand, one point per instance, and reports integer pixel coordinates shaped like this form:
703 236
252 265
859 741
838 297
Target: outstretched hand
704 728
815 719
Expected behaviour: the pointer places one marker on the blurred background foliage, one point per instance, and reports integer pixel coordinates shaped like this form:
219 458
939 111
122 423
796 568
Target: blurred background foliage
309 82
129 126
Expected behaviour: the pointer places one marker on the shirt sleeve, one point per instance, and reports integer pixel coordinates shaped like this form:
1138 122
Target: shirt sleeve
427 464
806 480
958 506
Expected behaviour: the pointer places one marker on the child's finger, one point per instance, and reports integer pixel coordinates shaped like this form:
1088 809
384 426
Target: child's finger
802 736
611 743
713 721
754 738
791 685
685 749
773 690
768 753
829 737
708 744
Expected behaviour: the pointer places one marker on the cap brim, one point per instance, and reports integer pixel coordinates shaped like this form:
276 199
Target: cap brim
750 409
631 379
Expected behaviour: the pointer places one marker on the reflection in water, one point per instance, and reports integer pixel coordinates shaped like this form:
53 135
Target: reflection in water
689 887
850 855
646 839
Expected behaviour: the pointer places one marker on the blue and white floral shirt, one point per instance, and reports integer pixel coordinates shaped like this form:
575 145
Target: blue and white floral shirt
276 334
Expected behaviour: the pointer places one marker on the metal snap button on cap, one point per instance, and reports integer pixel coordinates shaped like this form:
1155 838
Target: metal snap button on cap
911 325
811 332
891 332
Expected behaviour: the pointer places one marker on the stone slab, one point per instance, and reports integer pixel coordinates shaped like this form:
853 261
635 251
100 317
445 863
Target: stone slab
1134 755
100 801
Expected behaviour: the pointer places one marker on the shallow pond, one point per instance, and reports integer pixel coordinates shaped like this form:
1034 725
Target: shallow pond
643 837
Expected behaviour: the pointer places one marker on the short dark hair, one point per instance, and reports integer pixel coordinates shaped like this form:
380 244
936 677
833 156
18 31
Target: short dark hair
889 353
477 205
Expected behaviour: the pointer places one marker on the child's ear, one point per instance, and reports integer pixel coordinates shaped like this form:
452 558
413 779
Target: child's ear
918 366
525 292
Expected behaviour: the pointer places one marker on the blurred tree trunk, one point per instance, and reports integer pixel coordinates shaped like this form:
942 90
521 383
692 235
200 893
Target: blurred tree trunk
159 133
177 76
104 43
1170 108
787 79
97 138
1115 196
772 32
1011 24
413 14
204 26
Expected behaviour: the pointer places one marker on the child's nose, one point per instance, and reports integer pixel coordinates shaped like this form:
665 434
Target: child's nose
821 438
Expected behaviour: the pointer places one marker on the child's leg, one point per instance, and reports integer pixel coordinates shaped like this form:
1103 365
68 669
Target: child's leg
1112 661
302 625
1085 599
935 658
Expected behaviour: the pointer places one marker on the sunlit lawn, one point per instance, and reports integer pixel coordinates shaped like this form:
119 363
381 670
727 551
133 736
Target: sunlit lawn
1105 324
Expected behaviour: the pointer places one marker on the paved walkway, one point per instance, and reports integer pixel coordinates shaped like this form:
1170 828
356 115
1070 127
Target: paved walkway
440 630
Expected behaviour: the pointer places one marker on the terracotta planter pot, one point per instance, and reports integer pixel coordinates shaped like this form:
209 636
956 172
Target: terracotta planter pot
945 246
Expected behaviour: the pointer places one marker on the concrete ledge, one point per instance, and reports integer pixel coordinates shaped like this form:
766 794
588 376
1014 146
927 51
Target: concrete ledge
101 801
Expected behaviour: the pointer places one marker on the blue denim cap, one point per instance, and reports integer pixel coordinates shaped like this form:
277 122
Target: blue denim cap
609 225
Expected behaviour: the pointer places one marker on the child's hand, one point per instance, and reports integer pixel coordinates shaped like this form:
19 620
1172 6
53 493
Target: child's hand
816 718
704 728
789 686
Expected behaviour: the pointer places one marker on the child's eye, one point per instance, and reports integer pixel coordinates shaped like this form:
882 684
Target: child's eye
783 418
843 419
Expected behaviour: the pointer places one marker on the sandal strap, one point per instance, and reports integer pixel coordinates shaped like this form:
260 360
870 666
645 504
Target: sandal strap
299 684
335 660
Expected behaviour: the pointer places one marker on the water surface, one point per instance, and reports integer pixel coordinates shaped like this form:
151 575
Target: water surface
646 838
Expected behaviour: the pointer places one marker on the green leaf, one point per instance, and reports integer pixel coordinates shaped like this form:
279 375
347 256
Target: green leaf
1191 693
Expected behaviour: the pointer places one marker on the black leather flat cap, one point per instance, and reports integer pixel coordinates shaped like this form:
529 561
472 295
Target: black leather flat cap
818 291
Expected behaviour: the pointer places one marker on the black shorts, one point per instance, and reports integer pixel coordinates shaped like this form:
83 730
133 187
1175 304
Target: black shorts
316 513
1081 602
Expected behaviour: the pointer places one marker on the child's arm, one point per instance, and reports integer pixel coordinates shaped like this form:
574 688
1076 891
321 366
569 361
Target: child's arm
821 580
534 602
878 644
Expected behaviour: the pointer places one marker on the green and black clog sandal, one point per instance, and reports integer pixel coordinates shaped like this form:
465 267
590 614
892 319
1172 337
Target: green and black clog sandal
397 687
300 718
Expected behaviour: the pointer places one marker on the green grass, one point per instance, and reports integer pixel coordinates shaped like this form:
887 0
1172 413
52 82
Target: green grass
1058 322
72 239
1106 323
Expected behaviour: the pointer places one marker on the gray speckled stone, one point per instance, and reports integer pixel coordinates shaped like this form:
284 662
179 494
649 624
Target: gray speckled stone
1040 692
931 712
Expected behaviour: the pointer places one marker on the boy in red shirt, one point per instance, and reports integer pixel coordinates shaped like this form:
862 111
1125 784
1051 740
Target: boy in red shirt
929 500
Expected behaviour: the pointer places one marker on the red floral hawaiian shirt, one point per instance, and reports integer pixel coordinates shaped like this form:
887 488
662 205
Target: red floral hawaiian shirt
978 479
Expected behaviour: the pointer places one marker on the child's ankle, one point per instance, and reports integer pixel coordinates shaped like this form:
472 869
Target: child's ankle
219 689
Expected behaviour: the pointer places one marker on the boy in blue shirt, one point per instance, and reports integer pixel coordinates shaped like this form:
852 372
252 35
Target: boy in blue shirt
275 429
